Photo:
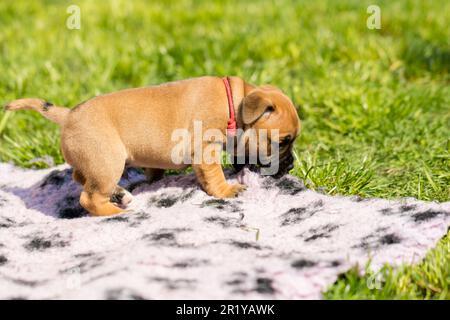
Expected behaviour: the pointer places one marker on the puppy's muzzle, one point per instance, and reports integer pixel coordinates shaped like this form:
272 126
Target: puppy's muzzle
285 165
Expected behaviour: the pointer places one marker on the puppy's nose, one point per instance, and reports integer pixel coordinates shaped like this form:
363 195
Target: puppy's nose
290 167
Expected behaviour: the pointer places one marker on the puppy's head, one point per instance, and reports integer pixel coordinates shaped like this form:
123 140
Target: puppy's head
270 115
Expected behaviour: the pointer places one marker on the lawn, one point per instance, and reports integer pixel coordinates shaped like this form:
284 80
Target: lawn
375 104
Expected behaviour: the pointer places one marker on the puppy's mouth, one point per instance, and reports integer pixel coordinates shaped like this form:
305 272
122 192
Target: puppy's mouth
285 165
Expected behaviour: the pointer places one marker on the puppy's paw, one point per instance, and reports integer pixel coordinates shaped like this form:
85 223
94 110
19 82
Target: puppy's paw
121 197
127 198
233 190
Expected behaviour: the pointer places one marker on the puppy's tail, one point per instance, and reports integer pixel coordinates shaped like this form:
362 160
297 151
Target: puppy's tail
47 109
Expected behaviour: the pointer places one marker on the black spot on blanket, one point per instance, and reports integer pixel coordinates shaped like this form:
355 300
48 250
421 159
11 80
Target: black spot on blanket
6 222
287 185
359 199
190 263
245 245
235 282
89 262
367 242
241 283
221 204
138 217
175 284
264 286
40 244
335 263
165 237
102 275
390 238
57 178
186 195
141 215
293 215
216 203
407 208
296 215
317 204
122 294
303 263
321 232
379 237
3 260
165 202
381 230
386 211
168 200
427 215
290 186
223 221
116 219
27 283
84 255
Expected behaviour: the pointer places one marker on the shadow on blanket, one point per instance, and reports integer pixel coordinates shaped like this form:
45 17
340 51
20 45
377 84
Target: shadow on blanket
60 190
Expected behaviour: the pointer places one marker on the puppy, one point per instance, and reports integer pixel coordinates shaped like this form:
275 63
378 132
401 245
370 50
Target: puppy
134 127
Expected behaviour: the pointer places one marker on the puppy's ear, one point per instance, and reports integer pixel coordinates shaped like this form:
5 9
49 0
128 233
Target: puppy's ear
255 105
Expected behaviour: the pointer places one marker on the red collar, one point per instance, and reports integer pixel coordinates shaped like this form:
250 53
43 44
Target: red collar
231 127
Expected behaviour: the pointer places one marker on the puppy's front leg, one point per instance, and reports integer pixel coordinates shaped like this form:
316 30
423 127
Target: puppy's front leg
213 181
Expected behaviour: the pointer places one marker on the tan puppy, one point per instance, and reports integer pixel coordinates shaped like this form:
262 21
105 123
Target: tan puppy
134 127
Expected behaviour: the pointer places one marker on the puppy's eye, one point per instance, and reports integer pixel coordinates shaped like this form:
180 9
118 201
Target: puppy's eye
270 109
285 141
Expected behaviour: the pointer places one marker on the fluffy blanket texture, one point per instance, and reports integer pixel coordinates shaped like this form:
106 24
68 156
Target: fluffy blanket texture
277 240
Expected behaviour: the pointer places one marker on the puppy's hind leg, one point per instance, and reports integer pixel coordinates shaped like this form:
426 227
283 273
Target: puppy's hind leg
98 204
100 185
153 174
78 177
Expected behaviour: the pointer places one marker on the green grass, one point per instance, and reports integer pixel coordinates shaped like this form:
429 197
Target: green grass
375 104
427 280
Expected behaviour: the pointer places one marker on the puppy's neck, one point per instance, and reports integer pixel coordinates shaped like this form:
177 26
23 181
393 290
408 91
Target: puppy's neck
240 90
